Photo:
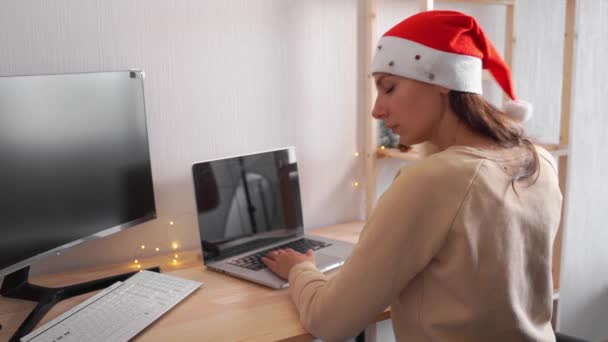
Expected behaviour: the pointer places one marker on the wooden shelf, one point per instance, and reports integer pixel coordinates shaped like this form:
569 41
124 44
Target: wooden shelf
557 150
411 155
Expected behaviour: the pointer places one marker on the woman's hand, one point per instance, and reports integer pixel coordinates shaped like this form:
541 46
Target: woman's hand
282 261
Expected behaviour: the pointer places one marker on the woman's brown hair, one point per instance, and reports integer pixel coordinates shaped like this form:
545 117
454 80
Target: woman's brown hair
489 121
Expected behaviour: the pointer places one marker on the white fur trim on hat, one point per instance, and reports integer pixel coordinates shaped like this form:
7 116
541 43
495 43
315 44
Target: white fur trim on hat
406 58
520 111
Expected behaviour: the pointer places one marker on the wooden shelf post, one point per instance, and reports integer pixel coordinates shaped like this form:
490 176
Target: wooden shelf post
369 95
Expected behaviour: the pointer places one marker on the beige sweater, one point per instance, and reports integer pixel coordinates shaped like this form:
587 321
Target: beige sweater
454 251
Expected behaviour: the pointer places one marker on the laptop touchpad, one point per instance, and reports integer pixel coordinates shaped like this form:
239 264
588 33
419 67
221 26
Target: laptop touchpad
323 260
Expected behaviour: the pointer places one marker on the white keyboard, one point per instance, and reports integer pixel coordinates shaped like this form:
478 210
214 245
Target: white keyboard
119 312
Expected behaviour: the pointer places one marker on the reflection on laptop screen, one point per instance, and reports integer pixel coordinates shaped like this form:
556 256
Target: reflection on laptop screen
256 195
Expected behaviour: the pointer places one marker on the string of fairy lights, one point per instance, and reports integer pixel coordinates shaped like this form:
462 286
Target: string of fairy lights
355 182
172 249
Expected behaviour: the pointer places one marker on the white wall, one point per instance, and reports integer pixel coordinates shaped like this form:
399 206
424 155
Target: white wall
584 275
538 61
223 78
321 42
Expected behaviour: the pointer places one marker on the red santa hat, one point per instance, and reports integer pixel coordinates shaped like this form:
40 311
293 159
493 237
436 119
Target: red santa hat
446 48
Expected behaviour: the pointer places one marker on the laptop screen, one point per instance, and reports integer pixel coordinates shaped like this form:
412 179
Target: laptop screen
246 202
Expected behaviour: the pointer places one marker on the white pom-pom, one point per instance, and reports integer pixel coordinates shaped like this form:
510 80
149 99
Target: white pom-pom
520 111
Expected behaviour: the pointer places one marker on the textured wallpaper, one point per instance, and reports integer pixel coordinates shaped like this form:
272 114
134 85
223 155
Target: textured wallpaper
584 276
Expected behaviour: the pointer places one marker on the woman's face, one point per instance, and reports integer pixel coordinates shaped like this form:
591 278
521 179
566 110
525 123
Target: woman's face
410 108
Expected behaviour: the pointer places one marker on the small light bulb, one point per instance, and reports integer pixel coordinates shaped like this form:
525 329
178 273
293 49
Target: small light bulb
356 154
171 223
174 245
143 246
138 266
176 256
157 249
174 261
136 261
382 147
355 184
140 271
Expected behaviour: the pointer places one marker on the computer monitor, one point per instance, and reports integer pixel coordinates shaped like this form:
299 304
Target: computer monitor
75 165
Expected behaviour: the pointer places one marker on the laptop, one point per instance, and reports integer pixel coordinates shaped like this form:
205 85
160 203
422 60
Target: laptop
249 205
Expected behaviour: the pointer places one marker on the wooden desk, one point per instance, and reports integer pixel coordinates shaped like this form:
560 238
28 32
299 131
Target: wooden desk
224 309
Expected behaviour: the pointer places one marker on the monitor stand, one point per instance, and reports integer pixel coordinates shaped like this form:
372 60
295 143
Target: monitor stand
16 285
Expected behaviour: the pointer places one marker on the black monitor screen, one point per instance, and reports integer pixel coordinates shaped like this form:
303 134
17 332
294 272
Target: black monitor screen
74 161
248 197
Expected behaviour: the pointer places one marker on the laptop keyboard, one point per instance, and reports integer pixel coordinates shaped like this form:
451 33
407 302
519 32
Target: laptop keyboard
249 246
254 261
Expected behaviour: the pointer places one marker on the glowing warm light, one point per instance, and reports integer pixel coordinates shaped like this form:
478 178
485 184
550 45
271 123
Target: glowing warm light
174 245
143 247
176 256
136 261
171 223
382 147
355 184
157 249
138 266
356 154
175 261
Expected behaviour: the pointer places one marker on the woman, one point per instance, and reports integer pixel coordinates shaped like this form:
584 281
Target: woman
460 244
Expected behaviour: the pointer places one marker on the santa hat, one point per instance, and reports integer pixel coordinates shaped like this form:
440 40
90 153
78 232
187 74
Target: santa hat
446 48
